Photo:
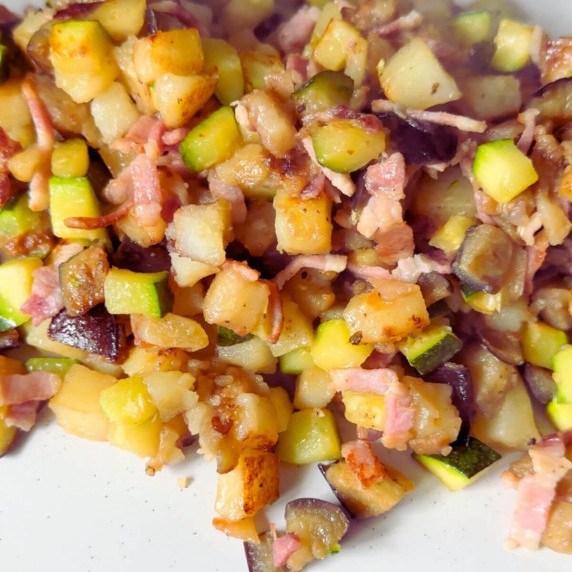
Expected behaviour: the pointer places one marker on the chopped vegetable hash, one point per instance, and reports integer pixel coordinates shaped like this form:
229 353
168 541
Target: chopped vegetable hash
248 223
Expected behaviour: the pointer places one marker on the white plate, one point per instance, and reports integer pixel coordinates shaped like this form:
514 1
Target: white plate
69 505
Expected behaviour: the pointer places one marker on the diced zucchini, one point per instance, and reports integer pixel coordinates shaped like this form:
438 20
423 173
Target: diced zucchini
430 348
73 197
70 158
503 170
450 236
226 337
16 218
16 277
128 292
334 347
82 57
560 414
177 52
59 365
472 27
365 410
222 58
414 77
463 465
311 436
296 361
342 47
324 90
211 141
127 401
313 389
541 342
512 43
562 363
346 145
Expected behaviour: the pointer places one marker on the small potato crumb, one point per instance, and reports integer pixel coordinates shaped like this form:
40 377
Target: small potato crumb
184 482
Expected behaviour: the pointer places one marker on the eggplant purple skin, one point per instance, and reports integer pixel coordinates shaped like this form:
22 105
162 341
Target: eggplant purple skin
420 142
317 505
131 256
9 340
323 468
544 100
540 383
77 10
259 556
459 378
97 332
504 345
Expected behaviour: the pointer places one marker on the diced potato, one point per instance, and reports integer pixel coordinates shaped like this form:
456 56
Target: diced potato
113 112
258 64
24 164
170 331
238 14
221 58
366 410
171 392
121 18
414 77
82 57
253 354
169 451
437 422
258 232
202 232
70 158
250 486
7 437
256 424
189 272
450 236
145 360
76 404
312 291
14 112
313 389
177 52
143 439
127 401
234 302
178 98
388 314
31 23
243 529
343 48
188 302
513 425
311 436
492 96
283 406
334 347
303 226
296 332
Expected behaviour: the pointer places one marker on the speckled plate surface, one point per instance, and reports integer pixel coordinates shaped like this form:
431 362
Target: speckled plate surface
68 505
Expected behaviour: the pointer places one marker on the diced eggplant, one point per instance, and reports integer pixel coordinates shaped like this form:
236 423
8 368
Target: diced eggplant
459 378
9 339
131 256
554 101
484 259
552 303
434 287
318 524
96 332
259 556
504 344
82 278
421 143
362 502
539 381
38 50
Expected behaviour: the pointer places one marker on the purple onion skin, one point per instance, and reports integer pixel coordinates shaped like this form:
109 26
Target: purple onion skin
419 142
459 378
96 332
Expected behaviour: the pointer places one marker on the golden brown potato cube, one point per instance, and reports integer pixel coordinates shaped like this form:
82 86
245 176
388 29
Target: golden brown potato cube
76 404
312 291
389 313
256 422
297 330
234 302
250 486
365 409
303 226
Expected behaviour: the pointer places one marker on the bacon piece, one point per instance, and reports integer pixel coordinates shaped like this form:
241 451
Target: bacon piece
315 187
242 268
535 256
8 148
283 547
341 181
92 223
528 119
22 415
36 386
276 311
298 66
388 177
405 23
362 380
294 34
395 243
536 492
410 269
45 300
363 462
232 193
325 263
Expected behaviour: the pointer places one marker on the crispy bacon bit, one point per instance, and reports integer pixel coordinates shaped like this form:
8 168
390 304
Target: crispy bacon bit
363 462
22 415
46 299
92 223
8 149
283 547
535 492
325 263
39 193
36 386
276 311
315 187
459 122
404 23
294 34
528 119
242 269
363 381
341 181
410 269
